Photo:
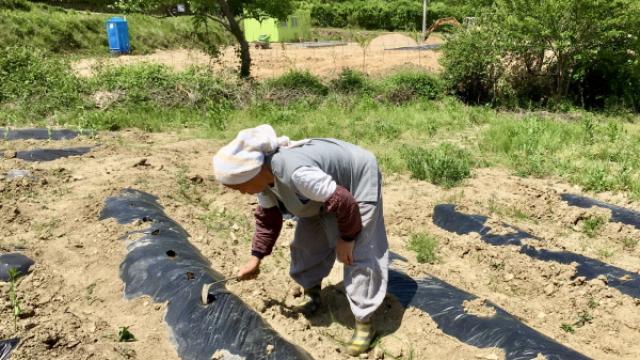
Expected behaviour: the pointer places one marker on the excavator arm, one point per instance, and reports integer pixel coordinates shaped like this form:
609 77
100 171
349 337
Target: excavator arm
440 23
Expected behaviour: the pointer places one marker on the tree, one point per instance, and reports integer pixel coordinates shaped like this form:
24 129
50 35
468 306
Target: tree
226 13
548 51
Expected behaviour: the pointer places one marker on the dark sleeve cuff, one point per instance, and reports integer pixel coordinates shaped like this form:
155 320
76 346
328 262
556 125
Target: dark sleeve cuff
257 254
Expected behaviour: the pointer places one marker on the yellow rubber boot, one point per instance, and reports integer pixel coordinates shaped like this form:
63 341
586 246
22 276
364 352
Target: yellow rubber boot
310 302
361 340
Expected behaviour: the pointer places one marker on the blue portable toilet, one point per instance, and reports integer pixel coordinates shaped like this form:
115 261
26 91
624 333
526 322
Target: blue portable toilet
118 35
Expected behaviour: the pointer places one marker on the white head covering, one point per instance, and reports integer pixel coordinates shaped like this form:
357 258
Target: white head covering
241 159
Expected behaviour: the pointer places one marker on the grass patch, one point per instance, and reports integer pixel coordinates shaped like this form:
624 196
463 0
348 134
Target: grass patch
600 152
156 85
34 81
445 165
592 225
508 211
409 85
220 221
294 86
606 253
58 30
351 81
425 247
630 244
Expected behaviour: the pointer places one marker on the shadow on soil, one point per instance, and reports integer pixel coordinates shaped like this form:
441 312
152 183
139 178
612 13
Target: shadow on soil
448 218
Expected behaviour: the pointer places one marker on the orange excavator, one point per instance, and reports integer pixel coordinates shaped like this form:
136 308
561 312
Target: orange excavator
440 23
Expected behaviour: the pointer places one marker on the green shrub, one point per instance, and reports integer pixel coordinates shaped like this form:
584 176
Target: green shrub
549 53
302 81
472 78
425 246
408 85
157 85
15 5
351 81
30 78
294 86
390 14
445 165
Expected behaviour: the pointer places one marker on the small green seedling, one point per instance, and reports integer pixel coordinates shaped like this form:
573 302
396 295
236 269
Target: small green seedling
567 328
425 246
583 318
124 335
630 244
605 253
592 225
13 296
592 304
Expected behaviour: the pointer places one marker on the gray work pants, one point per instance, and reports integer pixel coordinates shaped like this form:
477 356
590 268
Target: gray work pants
313 253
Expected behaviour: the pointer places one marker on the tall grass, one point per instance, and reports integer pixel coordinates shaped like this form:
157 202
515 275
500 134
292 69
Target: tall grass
60 30
446 164
597 151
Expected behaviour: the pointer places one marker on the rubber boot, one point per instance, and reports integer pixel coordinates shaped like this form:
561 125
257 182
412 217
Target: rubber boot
310 302
361 340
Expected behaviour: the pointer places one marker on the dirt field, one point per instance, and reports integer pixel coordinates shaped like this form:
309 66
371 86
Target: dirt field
72 300
280 58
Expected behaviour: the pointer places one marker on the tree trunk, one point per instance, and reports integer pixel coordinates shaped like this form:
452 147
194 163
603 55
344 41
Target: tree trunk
234 28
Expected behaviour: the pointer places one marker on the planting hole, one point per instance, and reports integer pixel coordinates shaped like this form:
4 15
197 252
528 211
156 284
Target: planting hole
171 253
190 275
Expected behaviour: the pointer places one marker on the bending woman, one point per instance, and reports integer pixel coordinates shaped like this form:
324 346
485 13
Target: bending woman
333 188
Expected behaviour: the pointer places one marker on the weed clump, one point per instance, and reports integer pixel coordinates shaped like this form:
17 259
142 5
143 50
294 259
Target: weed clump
630 244
407 85
15 5
124 335
351 81
592 225
32 80
157 85
568 328
425 246
294 86
13 296
445 165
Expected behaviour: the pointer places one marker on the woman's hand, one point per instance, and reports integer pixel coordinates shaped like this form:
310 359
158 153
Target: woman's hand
250 269
344 251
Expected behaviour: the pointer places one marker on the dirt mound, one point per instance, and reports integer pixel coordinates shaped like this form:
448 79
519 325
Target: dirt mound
390 41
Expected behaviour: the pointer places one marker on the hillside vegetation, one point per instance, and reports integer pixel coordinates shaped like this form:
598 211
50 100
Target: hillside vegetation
65 31
398 116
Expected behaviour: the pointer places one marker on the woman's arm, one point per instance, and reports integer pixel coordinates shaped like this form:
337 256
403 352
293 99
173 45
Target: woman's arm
316 185
268 227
